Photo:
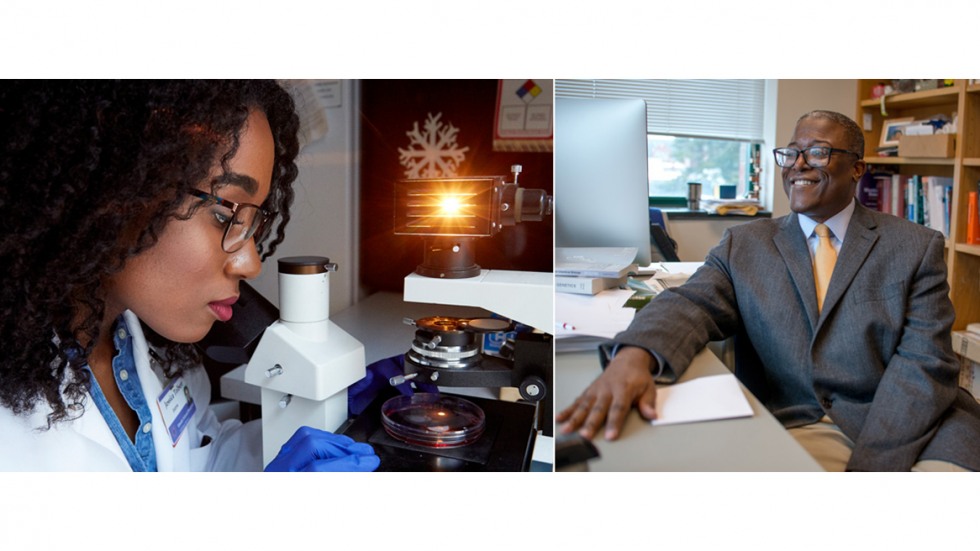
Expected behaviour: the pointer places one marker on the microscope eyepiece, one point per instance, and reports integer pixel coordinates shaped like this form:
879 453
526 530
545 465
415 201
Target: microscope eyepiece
305 265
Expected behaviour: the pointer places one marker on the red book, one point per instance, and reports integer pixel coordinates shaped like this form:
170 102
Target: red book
972 221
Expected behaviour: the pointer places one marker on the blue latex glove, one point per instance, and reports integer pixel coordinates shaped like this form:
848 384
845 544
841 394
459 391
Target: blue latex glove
363 392
312 450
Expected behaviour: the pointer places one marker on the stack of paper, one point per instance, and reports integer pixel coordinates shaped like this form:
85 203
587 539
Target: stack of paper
746 207
589 270
586 285
583 322
967 345
668 269
665 275
613 262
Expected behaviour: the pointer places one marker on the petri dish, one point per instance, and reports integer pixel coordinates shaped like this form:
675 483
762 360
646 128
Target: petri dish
433 420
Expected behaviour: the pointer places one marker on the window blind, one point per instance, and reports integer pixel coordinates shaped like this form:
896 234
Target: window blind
720 109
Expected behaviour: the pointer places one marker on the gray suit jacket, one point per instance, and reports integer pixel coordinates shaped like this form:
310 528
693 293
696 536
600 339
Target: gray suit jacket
878 360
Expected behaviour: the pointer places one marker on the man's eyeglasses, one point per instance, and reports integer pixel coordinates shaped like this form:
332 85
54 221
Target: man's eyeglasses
813 156
242 221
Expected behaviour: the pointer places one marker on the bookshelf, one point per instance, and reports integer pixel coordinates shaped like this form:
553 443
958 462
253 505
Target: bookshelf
962 259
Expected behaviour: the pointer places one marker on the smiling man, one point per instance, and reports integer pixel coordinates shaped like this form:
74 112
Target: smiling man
841 318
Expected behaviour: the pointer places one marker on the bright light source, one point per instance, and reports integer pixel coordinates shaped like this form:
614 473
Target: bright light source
450 205
451 212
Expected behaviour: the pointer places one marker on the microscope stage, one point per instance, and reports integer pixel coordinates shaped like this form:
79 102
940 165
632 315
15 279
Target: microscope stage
507 442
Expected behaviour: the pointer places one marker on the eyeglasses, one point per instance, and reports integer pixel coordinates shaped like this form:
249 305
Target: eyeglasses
815 157
242 221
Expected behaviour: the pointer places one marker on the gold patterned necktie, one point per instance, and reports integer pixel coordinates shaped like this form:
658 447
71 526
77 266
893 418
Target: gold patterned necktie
823 262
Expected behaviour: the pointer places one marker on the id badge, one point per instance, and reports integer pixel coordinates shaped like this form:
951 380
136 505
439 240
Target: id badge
177 408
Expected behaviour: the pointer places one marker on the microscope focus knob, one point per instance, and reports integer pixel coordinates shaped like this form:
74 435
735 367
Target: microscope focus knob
433 343
533 389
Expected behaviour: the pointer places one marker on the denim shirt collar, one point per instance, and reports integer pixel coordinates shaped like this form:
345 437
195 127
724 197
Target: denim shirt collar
140 454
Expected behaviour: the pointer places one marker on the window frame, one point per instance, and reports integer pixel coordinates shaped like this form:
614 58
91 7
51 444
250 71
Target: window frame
705 92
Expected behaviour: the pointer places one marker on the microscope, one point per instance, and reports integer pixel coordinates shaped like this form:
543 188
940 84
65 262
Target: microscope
304 362
508 349
301 361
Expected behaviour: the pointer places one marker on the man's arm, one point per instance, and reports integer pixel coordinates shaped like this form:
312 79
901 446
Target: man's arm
920 380
677 324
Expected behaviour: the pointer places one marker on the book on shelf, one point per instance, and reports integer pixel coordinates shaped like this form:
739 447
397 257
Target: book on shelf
884 184
924 200
898 184
967 345
938 201
868 191
586 285
970 377
973 219
913 200
603 262
884 192
934 195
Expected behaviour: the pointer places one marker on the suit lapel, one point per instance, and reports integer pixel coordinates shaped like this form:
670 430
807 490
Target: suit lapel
860 239
791 244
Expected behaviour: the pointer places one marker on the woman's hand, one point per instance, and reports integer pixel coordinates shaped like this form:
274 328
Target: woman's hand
313 450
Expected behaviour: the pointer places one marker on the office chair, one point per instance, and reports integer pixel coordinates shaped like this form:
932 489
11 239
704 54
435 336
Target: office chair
662 247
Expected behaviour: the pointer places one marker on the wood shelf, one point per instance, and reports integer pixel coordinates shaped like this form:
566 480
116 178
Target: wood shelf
962 259
910 161
925 98
966 248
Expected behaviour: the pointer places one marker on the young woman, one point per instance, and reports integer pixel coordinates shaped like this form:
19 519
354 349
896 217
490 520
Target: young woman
129 213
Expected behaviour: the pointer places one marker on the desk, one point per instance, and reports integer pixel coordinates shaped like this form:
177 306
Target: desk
757 443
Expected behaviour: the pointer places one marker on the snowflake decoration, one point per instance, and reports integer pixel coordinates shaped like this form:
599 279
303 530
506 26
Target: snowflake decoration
433 153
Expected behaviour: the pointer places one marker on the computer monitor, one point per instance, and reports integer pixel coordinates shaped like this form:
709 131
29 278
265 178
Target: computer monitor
601 188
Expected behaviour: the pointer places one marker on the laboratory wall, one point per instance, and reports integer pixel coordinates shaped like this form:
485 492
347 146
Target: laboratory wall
324 211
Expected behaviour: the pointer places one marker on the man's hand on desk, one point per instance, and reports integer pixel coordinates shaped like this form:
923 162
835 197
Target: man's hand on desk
627 381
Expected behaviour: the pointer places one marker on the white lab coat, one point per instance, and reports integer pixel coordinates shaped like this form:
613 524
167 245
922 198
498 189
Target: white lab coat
87 443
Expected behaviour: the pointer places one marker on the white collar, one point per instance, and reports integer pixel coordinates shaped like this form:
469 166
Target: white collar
837 223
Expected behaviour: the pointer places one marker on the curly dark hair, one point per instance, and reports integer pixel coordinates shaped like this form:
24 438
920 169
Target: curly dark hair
90 173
